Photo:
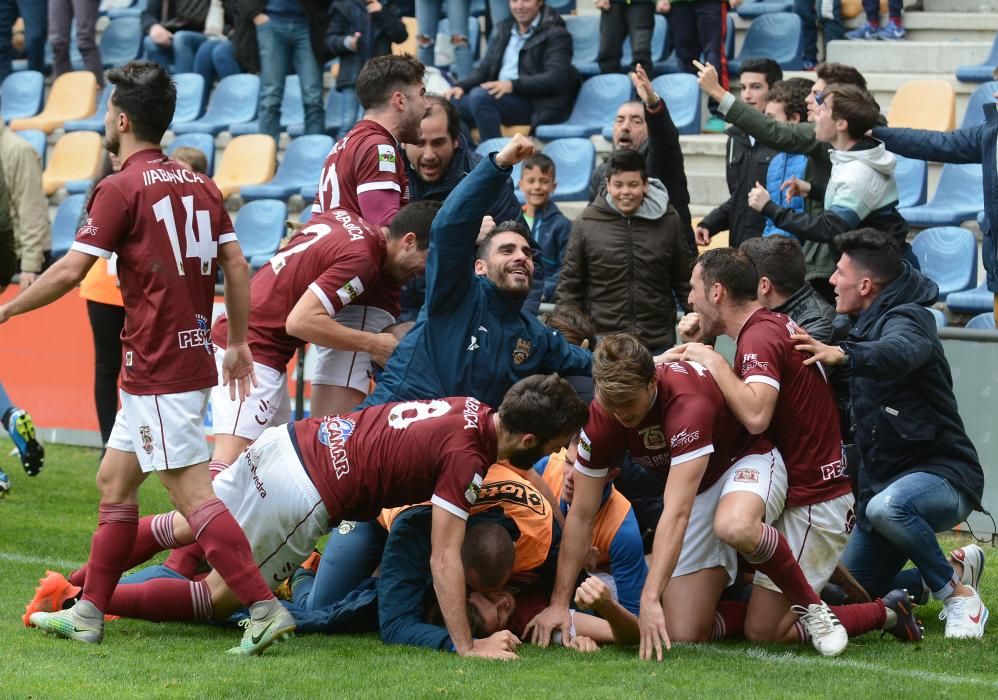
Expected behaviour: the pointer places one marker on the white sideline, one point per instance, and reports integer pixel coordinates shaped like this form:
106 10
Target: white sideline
61 564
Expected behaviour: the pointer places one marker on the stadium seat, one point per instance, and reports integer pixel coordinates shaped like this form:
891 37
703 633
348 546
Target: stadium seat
203 142
233 101
409 45
260 228
947 256
21 95
308 194
913 181
301 166
132 9
939 316
489 145
984 94
73 96
190 97
924 104
333 125
292 110
749 9
121 41
595 107
982 72
658 41
778 35
958 198
982 322
585 43
247 160
305 214
973 301
64 225
75 156
681 93
563 6
38 140
573 159
96 121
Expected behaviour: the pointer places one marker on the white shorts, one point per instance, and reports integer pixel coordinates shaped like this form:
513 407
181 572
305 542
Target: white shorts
268 403
764 475
346 367
276 504
817 535
701 547
165 431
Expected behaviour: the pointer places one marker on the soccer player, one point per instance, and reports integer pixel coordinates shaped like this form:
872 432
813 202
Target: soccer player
170 231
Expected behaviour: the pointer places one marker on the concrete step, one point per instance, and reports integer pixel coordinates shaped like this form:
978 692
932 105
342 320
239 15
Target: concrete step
968 6
949 26
935 57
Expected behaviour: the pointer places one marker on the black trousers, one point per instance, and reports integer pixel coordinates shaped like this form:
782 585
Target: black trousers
106 322
636 19
698 29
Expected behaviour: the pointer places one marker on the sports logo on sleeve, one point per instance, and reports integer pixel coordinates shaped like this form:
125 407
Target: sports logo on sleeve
386 158
522 351
474 488
350 291
585 446
751 361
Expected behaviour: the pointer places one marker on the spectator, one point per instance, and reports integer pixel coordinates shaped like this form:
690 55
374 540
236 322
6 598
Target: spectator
526 76
428 18
826 14
548 226
698 28
174 30
191 158
61 16
894 29
360 30
786 105
216 57
627 260
35 16
25 232
619 19
646 126
747 159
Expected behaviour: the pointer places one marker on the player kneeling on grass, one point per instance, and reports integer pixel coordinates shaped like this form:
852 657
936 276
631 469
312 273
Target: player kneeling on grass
297 481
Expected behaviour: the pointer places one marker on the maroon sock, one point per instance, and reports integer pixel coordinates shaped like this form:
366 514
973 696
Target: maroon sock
860 618
154 534
162 600
772 556
228 552
112 543
187 561
729 620
216 467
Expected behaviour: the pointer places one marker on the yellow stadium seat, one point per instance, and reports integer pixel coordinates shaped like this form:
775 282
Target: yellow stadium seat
247 160
409 45
924 104
718 240
76 156
73 96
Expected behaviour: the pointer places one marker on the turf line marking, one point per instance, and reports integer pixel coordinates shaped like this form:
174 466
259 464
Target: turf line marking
797 660
41 561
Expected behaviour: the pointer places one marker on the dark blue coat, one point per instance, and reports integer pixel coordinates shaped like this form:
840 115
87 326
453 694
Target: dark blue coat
378 32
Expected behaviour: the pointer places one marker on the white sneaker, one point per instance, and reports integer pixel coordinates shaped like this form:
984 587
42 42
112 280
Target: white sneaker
71 624
827 633
972 558
965 617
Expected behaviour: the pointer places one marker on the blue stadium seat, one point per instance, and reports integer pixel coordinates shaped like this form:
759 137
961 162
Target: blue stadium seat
973 301
778 36
305 214
96 122
984 94
594 108
913 181
670 63
203 142
681 93
38 140
260 228
957 198
292 110
190 97
947 256
308 194
750 9
982 322
658 41
121 41
21 95
64 225
489 145
563 6
78 186
585 43
333 125
301 166
982 72
939 316
574 159
134 9
233 101
980 220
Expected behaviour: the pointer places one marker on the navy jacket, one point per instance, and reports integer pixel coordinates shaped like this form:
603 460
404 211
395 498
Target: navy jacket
905 417
470 339
378 32
975 144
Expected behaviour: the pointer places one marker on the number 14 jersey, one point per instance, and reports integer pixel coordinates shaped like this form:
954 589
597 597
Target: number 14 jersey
165 222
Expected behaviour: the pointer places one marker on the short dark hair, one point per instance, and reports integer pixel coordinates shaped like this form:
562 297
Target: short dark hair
194 157
733 270
573 325
621 367
855 105
505 227
626 160
544 405
791 94
450 111
840 73
383 75
767 66
489 551
541 162
416 217
874 251
145 92
778 258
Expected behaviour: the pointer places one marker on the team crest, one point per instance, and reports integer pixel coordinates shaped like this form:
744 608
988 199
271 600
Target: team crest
653 437
747 476
386 158
350 291
522 351
474 488
145 434
347 526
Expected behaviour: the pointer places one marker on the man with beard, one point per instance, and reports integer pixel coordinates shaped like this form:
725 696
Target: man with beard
472 337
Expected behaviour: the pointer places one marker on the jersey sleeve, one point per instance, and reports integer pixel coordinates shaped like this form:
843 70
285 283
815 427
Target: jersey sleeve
602 444
459 482
761 356
343 282
377 168
226 231
689 428
107 223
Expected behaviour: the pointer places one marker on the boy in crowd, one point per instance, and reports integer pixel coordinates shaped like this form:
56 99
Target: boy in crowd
548 226
787 106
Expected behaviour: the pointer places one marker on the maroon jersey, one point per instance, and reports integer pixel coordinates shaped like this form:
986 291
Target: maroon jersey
805 423
368 158
399 453
338 256
689 419
165 223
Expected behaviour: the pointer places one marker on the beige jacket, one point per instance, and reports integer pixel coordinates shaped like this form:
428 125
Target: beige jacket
28 206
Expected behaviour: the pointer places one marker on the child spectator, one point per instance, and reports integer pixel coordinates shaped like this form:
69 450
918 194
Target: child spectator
894 29
549 227
786 105
618 20
192 158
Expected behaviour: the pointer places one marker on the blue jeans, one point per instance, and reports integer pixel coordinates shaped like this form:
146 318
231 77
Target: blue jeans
872 9
35 14
149 573
810 16
351 555
178 57
428 17
900 524
215 59
479 109
284 45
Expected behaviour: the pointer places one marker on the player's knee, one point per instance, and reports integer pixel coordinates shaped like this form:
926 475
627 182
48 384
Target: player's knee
690 631
762 631
738 531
